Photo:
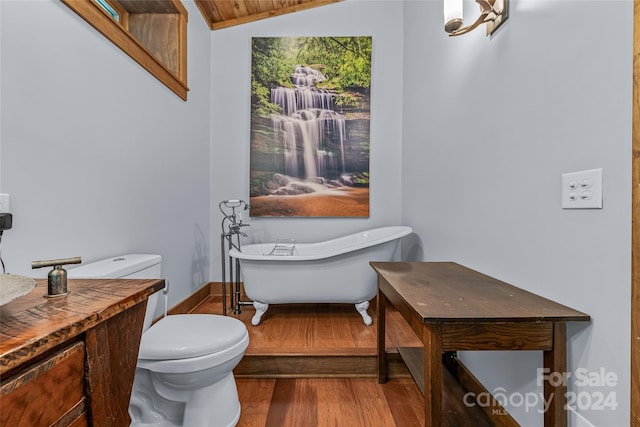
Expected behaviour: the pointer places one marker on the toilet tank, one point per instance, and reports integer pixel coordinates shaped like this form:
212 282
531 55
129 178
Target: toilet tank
132 266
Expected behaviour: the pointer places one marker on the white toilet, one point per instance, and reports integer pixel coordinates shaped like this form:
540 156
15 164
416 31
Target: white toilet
184 376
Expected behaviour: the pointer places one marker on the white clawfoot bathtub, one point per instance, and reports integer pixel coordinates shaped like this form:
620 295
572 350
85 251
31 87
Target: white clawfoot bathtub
332 271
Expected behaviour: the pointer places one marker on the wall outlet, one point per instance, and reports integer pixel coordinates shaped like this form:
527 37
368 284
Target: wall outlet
4 203
582 190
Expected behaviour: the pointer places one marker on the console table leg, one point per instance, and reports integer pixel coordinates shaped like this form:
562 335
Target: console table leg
555 388
382 355
432 340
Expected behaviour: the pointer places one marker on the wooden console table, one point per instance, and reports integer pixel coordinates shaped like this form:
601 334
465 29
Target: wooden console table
451 307
70 360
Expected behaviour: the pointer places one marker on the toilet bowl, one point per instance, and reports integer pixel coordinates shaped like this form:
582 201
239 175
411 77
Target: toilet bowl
184 373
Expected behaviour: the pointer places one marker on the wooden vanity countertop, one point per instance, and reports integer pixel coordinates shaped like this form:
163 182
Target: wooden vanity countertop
31 325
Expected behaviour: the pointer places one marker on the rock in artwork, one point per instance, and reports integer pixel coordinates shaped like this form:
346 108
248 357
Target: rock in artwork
310 126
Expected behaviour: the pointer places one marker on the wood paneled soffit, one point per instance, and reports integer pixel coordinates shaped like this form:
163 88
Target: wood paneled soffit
227 13
151 32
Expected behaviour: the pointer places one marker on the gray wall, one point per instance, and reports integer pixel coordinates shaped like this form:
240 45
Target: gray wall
489 127
99 158
231 62
469 138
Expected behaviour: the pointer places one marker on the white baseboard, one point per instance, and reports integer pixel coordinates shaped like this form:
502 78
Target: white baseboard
577 420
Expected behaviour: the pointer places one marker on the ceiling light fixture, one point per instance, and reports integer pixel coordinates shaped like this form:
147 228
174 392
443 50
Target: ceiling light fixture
492 12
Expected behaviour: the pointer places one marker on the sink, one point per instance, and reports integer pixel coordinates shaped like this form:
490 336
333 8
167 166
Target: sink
13 286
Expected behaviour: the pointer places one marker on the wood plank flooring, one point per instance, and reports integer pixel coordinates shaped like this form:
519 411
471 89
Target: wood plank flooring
329 402
313 365
328 328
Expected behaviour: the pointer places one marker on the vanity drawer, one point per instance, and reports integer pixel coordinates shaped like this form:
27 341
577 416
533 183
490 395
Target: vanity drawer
49 392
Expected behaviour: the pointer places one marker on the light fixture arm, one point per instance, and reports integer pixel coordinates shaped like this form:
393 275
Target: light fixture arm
493 13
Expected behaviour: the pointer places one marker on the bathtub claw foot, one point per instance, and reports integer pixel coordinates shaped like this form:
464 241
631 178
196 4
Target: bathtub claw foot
362 309
261 308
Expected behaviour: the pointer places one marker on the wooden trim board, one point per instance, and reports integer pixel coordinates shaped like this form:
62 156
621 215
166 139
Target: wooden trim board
635 227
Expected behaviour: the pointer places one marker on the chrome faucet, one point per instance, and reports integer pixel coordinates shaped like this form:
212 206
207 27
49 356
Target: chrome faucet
231 226
234 225
57 278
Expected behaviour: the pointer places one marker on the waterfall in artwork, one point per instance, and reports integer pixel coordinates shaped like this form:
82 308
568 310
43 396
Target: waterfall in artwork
310 130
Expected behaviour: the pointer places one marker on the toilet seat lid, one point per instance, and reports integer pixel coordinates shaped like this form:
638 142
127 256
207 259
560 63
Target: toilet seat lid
182 336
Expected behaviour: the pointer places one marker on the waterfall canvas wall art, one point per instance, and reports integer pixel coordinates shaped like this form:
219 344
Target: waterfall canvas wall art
310 145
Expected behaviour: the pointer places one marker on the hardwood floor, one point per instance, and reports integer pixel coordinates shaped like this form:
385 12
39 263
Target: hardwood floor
318 327
314 365
349 402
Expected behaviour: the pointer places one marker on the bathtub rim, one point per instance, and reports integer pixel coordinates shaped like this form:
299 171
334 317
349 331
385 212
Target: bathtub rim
401 231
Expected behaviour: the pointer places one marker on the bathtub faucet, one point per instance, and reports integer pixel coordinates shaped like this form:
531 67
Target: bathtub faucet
231 226
234 218
235 228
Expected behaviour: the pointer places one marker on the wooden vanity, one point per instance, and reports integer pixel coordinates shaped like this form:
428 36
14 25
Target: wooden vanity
70 360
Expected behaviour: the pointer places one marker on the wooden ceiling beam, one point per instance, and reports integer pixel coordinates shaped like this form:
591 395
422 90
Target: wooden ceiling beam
227 13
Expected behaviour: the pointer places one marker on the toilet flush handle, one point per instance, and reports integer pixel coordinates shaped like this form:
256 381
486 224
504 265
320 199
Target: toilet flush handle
57 278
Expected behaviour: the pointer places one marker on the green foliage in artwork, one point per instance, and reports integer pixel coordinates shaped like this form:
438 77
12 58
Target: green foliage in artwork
362 178
267 70
270 66
365 146
260 100
345 100
346 61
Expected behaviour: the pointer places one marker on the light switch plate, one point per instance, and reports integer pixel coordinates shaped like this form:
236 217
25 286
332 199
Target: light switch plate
582 190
